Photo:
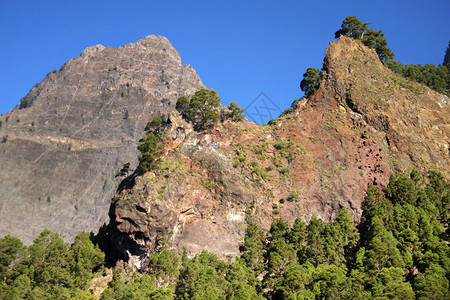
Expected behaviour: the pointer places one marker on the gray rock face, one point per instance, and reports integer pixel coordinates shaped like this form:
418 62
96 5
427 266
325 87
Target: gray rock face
62 146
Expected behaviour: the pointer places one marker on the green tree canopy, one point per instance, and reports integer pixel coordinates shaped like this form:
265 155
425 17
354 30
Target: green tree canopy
432 284
396 67
447 57
49 260
151 148
203 278
253 248
236 114
11 249
354 28
376 40
183 105
85 258
202 110
401 252
435 77
310 82
142 286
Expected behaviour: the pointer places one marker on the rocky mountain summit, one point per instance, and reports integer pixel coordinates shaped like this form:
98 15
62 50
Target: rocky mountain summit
62 146
362 124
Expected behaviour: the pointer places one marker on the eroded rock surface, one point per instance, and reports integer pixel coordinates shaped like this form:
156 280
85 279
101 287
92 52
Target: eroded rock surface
362 124
69 136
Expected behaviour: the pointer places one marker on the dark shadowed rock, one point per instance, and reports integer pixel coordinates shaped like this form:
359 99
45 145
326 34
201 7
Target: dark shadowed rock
69 136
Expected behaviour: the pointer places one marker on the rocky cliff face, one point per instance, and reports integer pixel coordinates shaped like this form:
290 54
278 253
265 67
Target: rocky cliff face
62 146
362 124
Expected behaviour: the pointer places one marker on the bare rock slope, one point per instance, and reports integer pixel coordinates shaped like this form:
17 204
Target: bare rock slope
362 124
62 146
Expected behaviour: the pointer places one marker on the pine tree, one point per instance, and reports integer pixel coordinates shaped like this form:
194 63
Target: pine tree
253 248
235 114
201 110
310 82
447 57
354 28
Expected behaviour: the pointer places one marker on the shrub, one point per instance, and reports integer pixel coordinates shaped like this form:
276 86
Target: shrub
283 147
25 102
236 113
157 125
124 170
151 148
256 169
293 107
294 196
273 122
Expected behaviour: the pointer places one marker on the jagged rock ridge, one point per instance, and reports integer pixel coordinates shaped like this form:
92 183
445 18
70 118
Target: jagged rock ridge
362 124
74 130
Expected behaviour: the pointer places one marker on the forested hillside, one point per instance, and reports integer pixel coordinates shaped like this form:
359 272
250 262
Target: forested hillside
398 251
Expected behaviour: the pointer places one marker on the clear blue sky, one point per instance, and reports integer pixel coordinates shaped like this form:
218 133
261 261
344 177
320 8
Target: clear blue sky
239 48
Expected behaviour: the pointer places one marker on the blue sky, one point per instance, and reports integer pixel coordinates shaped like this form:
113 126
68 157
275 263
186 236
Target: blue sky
239 48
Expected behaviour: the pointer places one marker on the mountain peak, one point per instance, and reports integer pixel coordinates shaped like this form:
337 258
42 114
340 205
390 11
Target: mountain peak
77 127
363 124
412 117
92 49
81 124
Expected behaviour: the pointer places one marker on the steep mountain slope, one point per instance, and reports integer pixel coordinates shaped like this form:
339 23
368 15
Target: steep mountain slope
413 119
62 146
362 124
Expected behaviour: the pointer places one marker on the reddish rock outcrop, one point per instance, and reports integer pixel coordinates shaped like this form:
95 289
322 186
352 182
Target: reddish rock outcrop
362 124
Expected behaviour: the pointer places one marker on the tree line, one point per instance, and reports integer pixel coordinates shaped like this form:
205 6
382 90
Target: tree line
399 250
435 77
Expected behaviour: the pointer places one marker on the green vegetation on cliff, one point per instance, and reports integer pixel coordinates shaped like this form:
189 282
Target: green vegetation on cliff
202 110
49 268
236 113
400 250
151 148
435 77
354 28
310 82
